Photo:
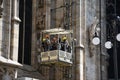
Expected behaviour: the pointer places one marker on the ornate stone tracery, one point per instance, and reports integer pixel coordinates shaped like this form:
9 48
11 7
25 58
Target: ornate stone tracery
40 18
7 73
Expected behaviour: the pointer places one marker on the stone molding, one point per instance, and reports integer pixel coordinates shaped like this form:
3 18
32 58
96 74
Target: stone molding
16 19
5 61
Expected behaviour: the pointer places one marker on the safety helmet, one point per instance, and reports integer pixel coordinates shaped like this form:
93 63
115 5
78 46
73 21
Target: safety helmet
44 39
64 38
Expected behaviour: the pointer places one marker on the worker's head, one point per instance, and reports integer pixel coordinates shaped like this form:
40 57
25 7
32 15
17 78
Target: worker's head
54 39
47 36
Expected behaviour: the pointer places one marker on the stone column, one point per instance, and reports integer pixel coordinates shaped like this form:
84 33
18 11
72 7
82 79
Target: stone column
53 14
80 29
1 36
48 13
15 30
6 28
34 59
1 10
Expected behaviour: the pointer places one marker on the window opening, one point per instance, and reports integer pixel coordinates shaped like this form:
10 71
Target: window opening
25 32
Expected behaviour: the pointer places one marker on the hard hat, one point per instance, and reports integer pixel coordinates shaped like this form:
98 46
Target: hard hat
64 38
44 39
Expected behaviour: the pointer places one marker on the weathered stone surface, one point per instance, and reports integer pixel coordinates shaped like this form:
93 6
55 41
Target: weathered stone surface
82 19
7 73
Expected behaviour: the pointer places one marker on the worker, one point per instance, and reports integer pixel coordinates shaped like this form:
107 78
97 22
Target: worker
46 43
54 43
64 43
43 44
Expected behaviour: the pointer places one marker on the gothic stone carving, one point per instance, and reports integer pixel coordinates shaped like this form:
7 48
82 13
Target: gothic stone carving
7 73
40 16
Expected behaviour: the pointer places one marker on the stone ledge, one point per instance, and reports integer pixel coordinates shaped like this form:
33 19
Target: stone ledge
29 71
17 19
80 46
9 62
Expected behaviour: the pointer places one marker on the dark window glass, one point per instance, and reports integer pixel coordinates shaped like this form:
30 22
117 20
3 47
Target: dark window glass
110 11
25 32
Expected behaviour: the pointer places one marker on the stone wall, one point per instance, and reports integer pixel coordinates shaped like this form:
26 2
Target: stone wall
7 73
87 56
86 17
92 57
93 53
80 38
9 34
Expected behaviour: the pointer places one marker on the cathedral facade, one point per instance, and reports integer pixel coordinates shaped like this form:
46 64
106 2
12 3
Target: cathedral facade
21 24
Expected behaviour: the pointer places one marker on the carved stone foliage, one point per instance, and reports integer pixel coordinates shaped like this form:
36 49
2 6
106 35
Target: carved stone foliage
40 17
7 73
40 3
91 34
40 20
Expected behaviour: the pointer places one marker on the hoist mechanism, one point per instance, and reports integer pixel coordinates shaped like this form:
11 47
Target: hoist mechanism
56 47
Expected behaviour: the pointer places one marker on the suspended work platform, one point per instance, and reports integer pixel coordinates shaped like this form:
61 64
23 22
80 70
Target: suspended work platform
56 47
